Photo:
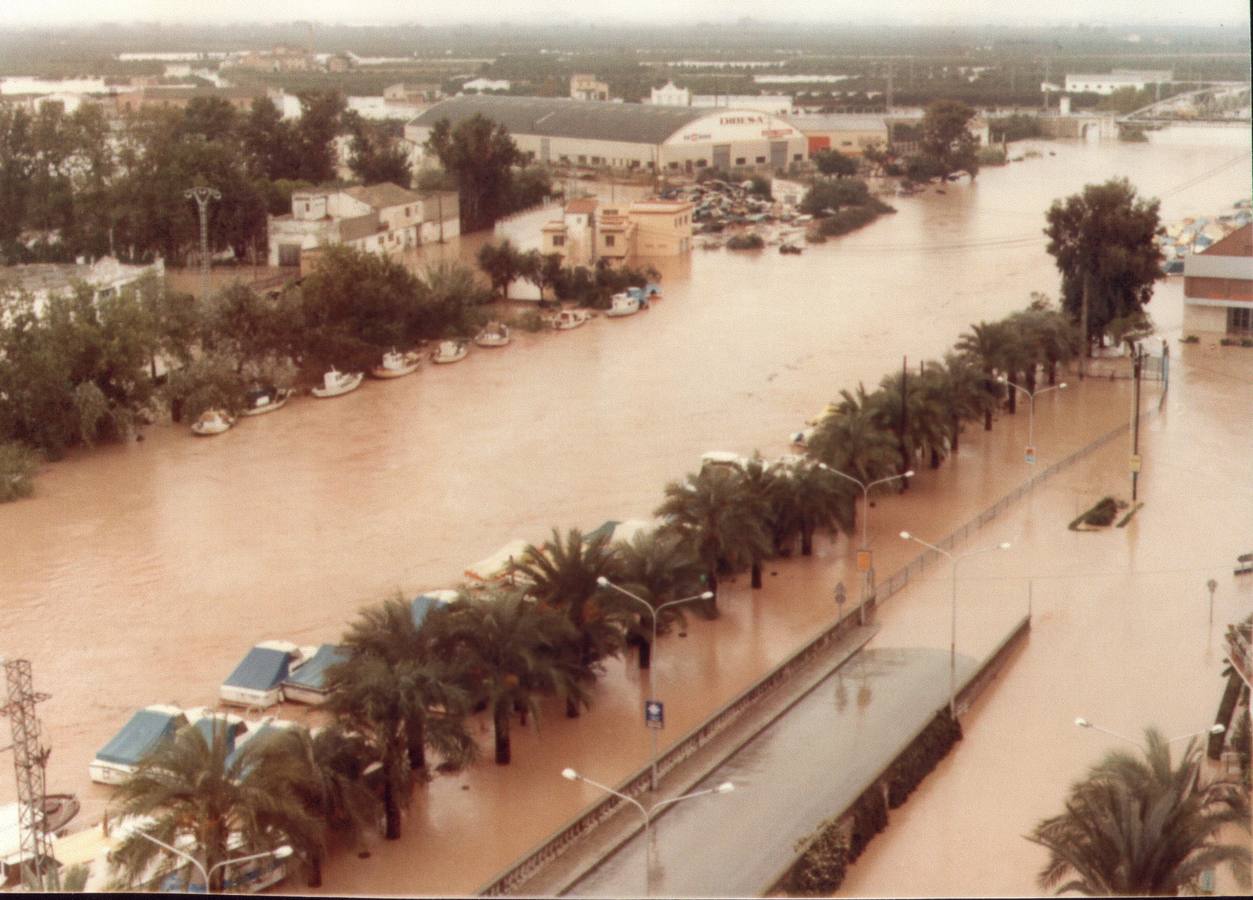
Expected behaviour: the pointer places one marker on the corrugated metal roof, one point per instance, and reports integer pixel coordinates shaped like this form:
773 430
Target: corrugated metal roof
837 122
140 736
312 675
545 116
262 669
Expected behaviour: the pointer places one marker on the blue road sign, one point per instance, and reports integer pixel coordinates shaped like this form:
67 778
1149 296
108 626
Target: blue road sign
654 714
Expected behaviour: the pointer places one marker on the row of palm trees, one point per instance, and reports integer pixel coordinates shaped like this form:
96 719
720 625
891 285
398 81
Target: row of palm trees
411 684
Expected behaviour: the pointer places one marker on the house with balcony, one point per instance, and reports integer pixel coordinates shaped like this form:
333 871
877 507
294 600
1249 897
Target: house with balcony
1218 287
588 232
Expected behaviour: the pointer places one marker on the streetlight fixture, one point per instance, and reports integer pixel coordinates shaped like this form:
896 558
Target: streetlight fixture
1031 395
1084 723
863 562
952 644
604 582
278 853
647 812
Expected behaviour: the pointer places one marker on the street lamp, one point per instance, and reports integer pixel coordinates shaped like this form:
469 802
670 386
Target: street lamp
652 611
1031 395
865 516
952 645
278 853
647 812
1084 723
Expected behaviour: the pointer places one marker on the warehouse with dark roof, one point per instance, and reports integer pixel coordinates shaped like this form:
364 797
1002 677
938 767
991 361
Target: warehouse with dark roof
627 135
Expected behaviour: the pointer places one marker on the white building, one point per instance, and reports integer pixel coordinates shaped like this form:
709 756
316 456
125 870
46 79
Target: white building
628 135
1116 80
381 218
106 277
480 85
586 87
670 94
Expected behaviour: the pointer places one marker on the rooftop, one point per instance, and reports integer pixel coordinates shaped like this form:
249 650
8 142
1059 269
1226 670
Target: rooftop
632 122
582 206
383 195
1238 243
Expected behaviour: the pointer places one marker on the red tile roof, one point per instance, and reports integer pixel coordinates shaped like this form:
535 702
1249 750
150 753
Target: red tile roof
1238 243
584 205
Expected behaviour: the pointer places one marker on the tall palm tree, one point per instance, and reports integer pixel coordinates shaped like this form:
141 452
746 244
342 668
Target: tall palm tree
713 512
984 346
926 430
852 441
388 631
813 498
762 487
198 793
657 568
962 391
332 786
1143 826
512 647
565 575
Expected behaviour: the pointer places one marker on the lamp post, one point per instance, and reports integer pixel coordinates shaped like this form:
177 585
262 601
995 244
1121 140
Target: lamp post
952 644
647 812
278 853
1084 723
1031 395
652 611
863 561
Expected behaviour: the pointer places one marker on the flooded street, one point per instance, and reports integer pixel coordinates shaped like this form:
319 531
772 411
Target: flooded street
141 574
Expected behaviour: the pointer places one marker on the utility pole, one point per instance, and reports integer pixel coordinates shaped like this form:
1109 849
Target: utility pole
202 196
29 759
904 419
1135 429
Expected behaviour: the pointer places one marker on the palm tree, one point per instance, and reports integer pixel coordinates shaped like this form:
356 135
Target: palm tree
852 441
197 793
389 632
714 513
333 785
962 391
762 486
657 568
1143 826
512 647
926 427
564 575
814 498
984 346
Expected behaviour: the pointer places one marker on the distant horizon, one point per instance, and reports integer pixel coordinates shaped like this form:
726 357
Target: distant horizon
1113 14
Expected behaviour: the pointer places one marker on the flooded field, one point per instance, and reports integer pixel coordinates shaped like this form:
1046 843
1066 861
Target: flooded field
141 573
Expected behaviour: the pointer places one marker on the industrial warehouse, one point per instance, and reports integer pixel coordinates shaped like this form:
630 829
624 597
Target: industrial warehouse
628 135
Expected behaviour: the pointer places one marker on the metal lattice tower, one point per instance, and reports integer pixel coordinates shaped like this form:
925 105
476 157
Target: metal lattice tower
202 196
29 760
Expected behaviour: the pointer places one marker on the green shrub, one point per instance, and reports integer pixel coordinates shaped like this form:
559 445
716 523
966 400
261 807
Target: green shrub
17 472
991 156
820 870
931 746
870 816
1190 339
531 320
746 242
1229 342
1246 342
814 236
1100 515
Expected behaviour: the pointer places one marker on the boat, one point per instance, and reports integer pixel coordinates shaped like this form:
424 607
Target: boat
206 721
258 679
652 291
420 607
565 319
212 421
266 399
335 383
450 351
499 565
790 248
722 459
622 305
494 334
119 758
307 684
396 364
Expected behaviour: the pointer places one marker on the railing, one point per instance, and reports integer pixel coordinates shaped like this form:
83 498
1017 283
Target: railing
636 784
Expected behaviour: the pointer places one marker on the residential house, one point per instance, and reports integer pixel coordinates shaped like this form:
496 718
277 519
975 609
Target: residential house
412 94
105 277
1218 287
588 233
586 87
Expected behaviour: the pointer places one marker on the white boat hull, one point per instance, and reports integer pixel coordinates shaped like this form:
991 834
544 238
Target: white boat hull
352 384
440 357
212 426
284 396
109 773
409 365
236 696
308 696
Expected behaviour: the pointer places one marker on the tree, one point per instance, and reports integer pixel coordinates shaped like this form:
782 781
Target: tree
713 513
852 441
376 156
269 143
762 485
834 195
481 155
450 301
833 162
511 647
984 345
1144 826
194 788
947 144
502 263
813 498
541 269
658 568
331 786
1103 241
315 135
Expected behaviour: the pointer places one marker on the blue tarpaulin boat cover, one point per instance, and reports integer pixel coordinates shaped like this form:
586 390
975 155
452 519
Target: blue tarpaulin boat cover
257 740
206 724
607 529
261 670
421 608
142 733
312 675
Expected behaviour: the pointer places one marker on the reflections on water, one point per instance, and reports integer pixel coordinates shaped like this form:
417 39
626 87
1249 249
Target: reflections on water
140 573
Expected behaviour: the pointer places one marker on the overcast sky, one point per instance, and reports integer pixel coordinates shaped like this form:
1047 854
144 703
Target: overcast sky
1230 13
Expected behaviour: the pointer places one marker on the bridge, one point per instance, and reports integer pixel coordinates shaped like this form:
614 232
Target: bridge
1224 103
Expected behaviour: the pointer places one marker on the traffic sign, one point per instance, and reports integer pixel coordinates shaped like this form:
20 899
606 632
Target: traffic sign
654 714
1135 462
863 560
1031 455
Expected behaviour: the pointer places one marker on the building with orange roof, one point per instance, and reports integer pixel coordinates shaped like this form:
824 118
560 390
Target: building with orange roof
1218 287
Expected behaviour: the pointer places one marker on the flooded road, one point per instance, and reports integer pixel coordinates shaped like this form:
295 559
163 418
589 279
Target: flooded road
141 573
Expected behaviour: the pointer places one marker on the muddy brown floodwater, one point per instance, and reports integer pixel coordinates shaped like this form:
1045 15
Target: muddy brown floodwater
141 573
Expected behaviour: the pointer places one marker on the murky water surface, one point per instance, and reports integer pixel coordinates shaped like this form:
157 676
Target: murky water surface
141 573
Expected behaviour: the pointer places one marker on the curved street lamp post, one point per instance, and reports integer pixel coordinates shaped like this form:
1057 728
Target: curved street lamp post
1084 723
278 853
952 644
652 662
1031 395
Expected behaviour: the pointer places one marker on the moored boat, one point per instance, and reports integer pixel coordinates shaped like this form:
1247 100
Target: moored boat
335 383
212 421
450 351
266 400
494 334
565 319
622 305
396 364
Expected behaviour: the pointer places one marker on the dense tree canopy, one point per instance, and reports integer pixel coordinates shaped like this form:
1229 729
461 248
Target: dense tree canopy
947 145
